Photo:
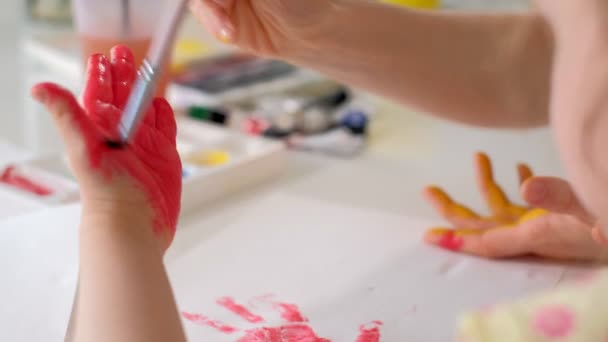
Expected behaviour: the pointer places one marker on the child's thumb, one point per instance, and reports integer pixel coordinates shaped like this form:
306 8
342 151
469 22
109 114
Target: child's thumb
74 126
556 195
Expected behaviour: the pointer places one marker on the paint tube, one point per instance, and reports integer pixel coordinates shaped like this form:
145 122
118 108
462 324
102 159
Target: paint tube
338 142
40 184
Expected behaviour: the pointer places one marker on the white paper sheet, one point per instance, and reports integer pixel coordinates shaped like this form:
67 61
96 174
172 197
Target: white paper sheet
342 266
39 255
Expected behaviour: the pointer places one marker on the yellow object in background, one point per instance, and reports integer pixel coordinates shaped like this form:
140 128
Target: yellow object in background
210 158
426 4
185 51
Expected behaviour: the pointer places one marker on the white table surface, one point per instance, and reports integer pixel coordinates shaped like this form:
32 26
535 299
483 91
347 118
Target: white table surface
321 236
408 151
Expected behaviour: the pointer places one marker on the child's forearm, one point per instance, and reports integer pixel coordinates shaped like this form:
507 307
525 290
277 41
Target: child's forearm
124 292
491 70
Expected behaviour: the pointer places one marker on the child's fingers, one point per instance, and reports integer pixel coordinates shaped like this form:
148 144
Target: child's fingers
524 172
490 243
123 74
497 201
98 91
555 195
74 126
455 213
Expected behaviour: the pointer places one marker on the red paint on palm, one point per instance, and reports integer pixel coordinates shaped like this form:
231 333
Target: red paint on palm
451 241
151 159
239 310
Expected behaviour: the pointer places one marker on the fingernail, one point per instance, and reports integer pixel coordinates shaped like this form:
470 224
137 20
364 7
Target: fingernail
226 35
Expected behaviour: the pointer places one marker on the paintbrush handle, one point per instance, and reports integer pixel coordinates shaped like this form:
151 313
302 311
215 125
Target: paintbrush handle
150 70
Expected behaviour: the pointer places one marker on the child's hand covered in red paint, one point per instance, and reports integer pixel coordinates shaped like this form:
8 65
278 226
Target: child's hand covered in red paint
265 27
554 226
139 184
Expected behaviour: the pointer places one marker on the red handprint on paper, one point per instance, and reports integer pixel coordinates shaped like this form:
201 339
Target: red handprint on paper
295 327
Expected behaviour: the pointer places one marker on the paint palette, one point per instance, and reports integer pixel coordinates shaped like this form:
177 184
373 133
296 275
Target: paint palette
216 161
46 180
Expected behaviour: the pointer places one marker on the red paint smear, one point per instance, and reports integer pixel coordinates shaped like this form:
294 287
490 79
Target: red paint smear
239 310
291 313
206 321
369 332
151 159
11 178
451 242
287 333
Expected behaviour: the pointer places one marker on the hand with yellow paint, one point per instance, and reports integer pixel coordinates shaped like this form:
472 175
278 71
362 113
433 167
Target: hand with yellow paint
553 225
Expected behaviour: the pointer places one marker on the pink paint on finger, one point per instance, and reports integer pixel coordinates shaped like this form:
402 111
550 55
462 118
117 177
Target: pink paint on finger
369 332
286 333
239 310
451 242
206 321
291 313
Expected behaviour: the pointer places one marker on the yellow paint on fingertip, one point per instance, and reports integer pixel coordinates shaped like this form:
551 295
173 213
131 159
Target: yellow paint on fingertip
532 214
439 231
468 232
463 212
210 158
456 232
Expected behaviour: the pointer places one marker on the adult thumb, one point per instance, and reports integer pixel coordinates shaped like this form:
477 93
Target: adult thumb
555 195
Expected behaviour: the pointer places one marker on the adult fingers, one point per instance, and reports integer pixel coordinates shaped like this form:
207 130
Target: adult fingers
214 15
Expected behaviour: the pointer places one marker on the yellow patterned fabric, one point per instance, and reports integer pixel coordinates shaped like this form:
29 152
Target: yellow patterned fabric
576 312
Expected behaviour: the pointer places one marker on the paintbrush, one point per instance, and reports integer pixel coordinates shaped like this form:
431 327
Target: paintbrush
150 72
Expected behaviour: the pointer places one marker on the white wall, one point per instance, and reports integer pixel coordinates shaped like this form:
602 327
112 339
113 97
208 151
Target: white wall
11 90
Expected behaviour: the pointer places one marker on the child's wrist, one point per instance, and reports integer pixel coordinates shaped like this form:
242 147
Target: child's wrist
123 221
106 215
